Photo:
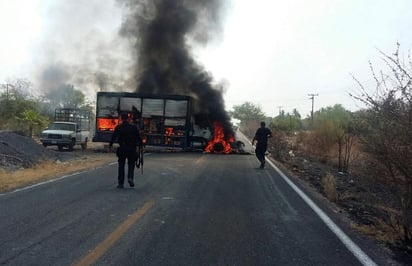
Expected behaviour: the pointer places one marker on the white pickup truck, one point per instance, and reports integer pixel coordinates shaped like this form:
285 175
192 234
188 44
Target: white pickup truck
71 128
64 134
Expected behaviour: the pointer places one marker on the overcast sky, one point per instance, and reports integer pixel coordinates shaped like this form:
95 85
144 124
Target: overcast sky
271 53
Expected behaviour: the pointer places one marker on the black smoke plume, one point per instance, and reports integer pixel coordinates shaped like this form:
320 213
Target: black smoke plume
164 32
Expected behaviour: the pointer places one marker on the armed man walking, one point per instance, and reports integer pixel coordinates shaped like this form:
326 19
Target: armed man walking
261 139
128 137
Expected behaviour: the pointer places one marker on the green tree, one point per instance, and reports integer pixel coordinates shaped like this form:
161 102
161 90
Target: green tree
247 112
287 122
66 96
249 115
32 119
19 110
335 125
13 102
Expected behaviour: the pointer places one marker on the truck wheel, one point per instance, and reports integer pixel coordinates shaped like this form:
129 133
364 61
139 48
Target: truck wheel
44 145
71 145
60 147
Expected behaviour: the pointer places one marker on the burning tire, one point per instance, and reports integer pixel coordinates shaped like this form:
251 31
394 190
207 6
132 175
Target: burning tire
220 143
218 147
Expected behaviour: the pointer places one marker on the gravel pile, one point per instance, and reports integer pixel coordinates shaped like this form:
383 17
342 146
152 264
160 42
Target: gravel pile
18 151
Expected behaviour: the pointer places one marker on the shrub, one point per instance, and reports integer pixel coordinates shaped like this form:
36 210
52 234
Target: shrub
329 187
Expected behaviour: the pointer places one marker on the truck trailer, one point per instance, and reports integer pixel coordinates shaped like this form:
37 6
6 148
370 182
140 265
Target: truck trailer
163 120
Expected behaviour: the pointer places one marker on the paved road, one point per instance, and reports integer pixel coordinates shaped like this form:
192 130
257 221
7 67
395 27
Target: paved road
187 209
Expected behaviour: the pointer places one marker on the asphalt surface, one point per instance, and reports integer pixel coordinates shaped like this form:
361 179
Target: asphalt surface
186 209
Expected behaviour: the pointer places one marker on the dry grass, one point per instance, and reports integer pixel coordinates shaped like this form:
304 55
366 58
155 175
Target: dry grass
329 186
48 170
389 231
380 231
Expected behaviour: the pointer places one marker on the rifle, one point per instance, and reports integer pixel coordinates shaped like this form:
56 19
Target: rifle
141 158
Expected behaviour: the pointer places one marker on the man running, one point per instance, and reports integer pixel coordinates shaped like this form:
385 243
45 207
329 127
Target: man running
261 140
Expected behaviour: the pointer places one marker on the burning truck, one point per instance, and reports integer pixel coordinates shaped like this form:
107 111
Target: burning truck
164 120
176 103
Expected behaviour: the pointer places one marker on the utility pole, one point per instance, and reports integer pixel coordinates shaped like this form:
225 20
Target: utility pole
280 109
312 97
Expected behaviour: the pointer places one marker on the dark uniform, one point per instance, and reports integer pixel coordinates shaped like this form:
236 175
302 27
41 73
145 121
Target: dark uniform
261 136
128 137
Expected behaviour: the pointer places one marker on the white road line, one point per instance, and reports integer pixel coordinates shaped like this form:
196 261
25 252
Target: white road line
50 181
39 184
350 245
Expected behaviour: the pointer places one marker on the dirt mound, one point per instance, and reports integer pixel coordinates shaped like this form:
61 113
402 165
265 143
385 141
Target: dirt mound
18 151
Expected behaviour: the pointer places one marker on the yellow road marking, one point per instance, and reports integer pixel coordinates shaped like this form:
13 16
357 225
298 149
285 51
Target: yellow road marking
100 249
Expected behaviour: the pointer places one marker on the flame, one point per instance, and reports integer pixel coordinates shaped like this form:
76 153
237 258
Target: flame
169 131
219 141
107 124
173 136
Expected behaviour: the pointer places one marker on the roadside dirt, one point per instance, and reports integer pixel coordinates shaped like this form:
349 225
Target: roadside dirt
23 161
